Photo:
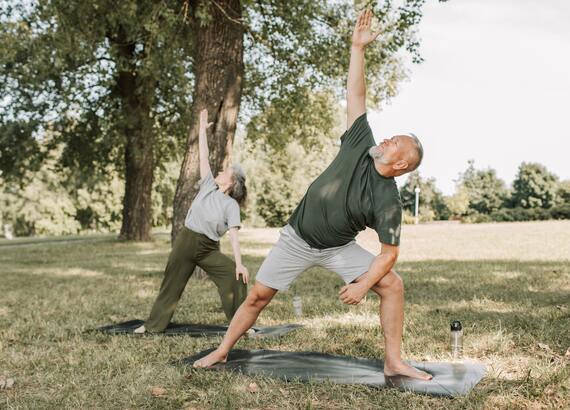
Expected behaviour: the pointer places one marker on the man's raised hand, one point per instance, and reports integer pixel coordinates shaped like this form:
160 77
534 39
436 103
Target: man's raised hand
362 34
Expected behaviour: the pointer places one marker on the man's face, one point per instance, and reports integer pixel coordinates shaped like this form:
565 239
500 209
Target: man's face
389 151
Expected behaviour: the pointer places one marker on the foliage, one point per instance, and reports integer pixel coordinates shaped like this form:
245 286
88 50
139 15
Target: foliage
277 180
56 201
60 71
534 187
563 192
39 205
98 202
297 47
63 68
431 201
486 192
561 211
458 203
517 214
280 170
164 187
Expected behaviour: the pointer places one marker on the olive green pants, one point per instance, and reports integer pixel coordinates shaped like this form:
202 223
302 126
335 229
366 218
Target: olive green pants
190 249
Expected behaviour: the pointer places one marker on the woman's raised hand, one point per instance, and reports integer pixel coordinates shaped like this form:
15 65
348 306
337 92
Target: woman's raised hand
204 124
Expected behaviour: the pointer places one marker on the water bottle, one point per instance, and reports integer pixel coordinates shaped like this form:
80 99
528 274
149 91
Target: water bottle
297 305
456 339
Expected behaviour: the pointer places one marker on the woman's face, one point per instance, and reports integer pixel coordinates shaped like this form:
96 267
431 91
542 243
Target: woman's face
225 178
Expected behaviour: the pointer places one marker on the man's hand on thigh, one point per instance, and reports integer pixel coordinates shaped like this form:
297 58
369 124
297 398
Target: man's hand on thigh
353 293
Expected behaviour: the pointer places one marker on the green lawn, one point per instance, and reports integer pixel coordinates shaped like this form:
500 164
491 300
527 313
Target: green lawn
509 284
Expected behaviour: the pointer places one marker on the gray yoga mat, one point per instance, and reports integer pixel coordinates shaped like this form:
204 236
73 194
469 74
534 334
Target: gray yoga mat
196 330
449 379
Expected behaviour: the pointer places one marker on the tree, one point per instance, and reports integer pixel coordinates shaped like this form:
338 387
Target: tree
114 80
40 205
486 192
458 203
109 80
279 167
563 192
534 186
291 49
432 205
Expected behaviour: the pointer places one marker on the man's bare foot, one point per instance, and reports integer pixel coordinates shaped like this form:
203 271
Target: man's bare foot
403 369
140 330
211 359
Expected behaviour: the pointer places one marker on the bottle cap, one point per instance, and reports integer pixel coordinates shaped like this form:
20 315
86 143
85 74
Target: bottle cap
456 326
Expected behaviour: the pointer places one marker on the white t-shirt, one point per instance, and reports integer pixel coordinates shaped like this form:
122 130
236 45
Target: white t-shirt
212 212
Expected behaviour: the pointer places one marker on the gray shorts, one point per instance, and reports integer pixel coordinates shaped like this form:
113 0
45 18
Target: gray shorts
291 256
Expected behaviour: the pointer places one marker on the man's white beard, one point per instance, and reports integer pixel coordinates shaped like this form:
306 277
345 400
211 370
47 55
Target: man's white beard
377 155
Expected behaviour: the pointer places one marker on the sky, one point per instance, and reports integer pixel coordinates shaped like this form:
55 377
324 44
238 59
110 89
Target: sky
494 87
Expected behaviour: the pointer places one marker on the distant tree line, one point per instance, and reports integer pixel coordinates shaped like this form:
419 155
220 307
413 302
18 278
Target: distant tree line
55 201
481 196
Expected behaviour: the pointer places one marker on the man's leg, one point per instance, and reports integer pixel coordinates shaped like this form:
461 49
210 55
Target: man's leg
352 259
391 291
244 319
287 259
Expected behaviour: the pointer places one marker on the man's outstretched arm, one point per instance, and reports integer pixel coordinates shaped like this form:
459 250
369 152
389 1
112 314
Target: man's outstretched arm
353 293
356 87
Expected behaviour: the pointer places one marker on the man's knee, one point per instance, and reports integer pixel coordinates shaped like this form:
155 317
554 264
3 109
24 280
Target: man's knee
259 298
390 283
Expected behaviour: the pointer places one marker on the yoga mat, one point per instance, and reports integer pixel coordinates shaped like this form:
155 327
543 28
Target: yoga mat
449 379
196 330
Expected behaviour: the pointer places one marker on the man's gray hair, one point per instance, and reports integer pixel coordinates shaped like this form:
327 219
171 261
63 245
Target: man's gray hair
238 191
419 151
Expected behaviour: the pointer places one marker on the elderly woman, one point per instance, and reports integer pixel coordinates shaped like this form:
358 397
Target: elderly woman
215 210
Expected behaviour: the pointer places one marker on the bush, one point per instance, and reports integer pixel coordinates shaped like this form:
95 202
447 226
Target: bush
560 211
520 214
477 218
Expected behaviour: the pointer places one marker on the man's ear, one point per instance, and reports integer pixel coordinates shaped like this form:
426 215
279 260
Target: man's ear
401 165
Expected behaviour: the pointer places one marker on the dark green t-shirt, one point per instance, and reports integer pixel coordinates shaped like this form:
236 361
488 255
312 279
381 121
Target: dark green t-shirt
349 196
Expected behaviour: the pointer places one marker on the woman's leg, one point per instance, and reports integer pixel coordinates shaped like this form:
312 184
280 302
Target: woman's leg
178 270
222 271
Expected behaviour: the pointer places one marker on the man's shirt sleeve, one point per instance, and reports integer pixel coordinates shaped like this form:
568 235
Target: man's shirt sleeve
388 223
359 130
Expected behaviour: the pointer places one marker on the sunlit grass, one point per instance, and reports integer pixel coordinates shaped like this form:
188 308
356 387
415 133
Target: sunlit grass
509 284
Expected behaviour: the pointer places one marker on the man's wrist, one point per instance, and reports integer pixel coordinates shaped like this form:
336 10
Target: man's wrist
366 284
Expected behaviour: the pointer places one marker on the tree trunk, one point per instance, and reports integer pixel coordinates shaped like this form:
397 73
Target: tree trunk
218 70
136 94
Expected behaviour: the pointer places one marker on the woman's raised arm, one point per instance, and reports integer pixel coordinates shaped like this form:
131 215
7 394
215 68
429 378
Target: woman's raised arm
203 144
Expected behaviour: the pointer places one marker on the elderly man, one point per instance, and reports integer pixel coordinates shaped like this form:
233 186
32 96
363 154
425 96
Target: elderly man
357 190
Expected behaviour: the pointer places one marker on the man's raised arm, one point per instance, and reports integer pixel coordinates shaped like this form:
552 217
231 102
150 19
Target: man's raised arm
355 87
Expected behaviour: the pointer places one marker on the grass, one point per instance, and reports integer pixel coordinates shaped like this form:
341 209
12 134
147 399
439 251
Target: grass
509 284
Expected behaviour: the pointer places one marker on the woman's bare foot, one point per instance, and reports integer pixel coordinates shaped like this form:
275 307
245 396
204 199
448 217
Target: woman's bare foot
403 369
211 359
140 330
